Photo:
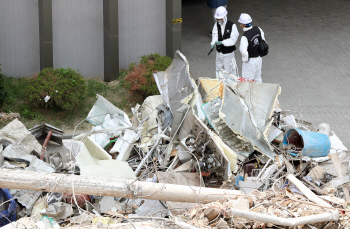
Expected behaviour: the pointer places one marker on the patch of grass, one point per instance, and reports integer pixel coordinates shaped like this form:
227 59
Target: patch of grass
96 86
15 89
27 112
2 89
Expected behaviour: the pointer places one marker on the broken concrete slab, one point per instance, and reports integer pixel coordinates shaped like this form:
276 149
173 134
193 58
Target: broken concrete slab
18 151
15 131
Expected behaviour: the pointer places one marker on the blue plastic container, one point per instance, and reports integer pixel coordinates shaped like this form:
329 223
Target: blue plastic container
312 144
11 213
238 178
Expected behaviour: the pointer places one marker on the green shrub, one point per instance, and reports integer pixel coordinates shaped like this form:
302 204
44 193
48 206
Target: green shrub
140 77
2 89
65 87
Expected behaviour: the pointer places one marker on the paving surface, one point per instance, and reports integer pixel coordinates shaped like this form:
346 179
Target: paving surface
309 53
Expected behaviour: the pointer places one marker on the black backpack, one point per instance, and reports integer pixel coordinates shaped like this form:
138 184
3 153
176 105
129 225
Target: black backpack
263 47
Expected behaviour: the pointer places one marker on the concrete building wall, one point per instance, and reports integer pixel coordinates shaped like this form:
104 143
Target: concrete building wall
19 37
77 30
142 29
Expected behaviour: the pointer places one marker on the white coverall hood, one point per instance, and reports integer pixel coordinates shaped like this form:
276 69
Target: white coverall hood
225 20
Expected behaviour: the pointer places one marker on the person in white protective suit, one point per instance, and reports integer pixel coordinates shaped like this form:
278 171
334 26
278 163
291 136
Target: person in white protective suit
249 48
225 35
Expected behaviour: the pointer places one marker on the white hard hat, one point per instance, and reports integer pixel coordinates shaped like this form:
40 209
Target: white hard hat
245 19
220 12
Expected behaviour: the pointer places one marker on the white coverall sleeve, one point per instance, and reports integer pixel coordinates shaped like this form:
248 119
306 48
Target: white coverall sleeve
262 34
233 38
215 36
243 48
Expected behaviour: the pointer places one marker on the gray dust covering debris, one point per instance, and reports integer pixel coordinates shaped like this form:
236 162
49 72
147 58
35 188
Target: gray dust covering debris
205 153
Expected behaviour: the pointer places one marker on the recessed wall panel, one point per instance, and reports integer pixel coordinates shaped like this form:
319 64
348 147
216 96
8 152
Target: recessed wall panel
19 37
77 27
142 27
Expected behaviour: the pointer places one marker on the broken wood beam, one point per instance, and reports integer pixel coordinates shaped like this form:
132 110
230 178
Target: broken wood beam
287 222
107 186
306 191
339 169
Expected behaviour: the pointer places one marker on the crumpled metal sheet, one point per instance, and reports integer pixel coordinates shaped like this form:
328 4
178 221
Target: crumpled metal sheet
59 210
26 198
175 84
247 110
193 125
211 110
179 115
165 118
40 132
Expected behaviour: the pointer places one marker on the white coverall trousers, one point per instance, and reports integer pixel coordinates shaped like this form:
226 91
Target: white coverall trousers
224 61
251 70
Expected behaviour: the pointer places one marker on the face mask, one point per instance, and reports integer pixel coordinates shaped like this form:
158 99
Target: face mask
221 22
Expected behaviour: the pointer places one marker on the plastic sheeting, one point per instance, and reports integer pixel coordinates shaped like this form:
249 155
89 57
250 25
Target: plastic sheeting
10 212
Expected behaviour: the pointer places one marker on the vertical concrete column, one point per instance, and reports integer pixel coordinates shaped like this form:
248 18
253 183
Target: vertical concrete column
173 28
45 33
111 39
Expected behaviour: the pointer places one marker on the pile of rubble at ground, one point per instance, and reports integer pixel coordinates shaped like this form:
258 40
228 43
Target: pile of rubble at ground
203 154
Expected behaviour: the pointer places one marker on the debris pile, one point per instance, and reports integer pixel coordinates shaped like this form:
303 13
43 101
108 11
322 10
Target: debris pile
208 153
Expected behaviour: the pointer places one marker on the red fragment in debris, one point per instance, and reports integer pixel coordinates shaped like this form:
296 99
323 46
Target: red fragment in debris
245 80
81 199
